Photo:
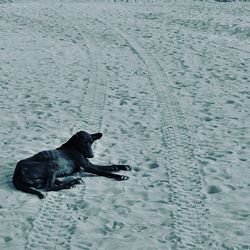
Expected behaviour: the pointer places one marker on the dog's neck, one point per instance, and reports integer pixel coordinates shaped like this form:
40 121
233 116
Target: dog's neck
67 145
73 151
70 143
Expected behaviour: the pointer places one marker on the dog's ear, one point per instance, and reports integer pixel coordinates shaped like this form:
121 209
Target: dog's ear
96 136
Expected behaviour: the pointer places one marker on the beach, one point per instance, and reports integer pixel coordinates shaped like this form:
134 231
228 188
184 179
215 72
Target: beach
167 83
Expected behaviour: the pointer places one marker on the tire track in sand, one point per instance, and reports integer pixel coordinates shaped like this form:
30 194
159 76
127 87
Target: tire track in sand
58 217
190 228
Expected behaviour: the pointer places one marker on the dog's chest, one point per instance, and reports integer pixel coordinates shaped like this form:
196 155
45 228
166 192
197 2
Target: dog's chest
66 166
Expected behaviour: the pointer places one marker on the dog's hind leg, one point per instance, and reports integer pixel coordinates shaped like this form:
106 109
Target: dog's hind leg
64 184
27 189
51 178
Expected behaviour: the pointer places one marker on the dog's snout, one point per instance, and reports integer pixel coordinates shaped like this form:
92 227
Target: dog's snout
90 153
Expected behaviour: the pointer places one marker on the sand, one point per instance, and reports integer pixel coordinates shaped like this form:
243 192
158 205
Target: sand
167 83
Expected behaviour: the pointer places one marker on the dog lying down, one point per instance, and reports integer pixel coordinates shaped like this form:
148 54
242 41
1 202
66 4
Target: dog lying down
44 169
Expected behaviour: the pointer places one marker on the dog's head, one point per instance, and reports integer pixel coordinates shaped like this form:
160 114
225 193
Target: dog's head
83 141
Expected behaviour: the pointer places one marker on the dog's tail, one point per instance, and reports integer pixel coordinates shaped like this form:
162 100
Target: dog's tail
25 187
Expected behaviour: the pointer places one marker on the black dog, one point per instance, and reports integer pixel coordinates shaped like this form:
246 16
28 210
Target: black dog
42 169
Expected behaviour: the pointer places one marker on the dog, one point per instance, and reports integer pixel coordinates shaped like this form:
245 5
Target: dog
42 170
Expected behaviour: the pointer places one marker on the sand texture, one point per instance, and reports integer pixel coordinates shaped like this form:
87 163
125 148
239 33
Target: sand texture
167 83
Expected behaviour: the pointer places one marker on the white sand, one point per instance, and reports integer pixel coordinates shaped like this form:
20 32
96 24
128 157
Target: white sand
167 82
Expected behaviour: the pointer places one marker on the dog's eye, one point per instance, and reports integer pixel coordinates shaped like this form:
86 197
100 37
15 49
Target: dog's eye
90 140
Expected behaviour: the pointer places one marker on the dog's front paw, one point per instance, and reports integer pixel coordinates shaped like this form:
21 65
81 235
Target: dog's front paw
127 168
121 177
124 167
41 196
